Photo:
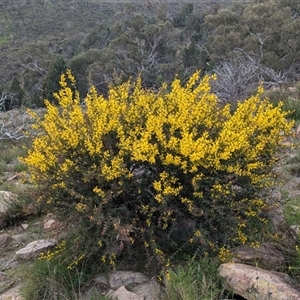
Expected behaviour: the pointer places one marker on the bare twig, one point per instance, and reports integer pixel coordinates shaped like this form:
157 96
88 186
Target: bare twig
14 124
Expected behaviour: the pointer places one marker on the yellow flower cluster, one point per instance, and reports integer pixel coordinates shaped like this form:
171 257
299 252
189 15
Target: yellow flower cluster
165 187
185 127
75 262
225 254
196 147
50 254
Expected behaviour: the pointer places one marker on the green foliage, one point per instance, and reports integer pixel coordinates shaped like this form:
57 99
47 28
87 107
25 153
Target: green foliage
51 82
10 151
263 28
181 19
51 280
292 211
16 89
150 39
290 99
294 264
20 168
193 280
156 173
19 208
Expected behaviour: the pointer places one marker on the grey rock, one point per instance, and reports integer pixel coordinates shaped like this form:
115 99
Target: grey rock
33 249
255 283
296 228
5 239
19 238
49 224
123 278
298 131
11 294
24 226
150 290
3 276
287 236
122 294
6 199
9 264
98 286
269 256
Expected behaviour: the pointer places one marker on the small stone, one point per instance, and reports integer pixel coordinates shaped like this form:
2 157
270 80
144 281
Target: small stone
298 131
3 276
5 239
6 199
296 228
49 224
24 226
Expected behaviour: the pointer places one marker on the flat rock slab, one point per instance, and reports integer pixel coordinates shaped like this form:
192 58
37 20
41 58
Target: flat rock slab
254 283
33 249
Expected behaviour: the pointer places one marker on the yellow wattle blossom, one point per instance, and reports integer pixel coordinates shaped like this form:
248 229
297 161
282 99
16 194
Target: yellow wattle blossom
150 159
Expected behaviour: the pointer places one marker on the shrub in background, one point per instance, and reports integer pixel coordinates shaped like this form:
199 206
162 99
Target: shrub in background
289 97
159 173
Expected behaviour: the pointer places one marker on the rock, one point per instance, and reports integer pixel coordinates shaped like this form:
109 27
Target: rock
298 131
3 276
4 240
6 199
33 249
19 238
122 294
268 256
98 286
296 228
123 285
24 226
118 278
254 283
288 237
12 294
49 224
150 290
8 264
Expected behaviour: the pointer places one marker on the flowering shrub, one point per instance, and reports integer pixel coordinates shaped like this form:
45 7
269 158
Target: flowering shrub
161 172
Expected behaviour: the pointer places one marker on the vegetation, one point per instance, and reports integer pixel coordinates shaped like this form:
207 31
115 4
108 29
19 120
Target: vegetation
161 175
196 280
108 43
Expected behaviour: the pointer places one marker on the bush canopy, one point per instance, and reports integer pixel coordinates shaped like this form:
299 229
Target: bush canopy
161 173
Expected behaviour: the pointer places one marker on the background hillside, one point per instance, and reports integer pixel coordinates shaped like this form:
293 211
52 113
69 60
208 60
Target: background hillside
245 42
